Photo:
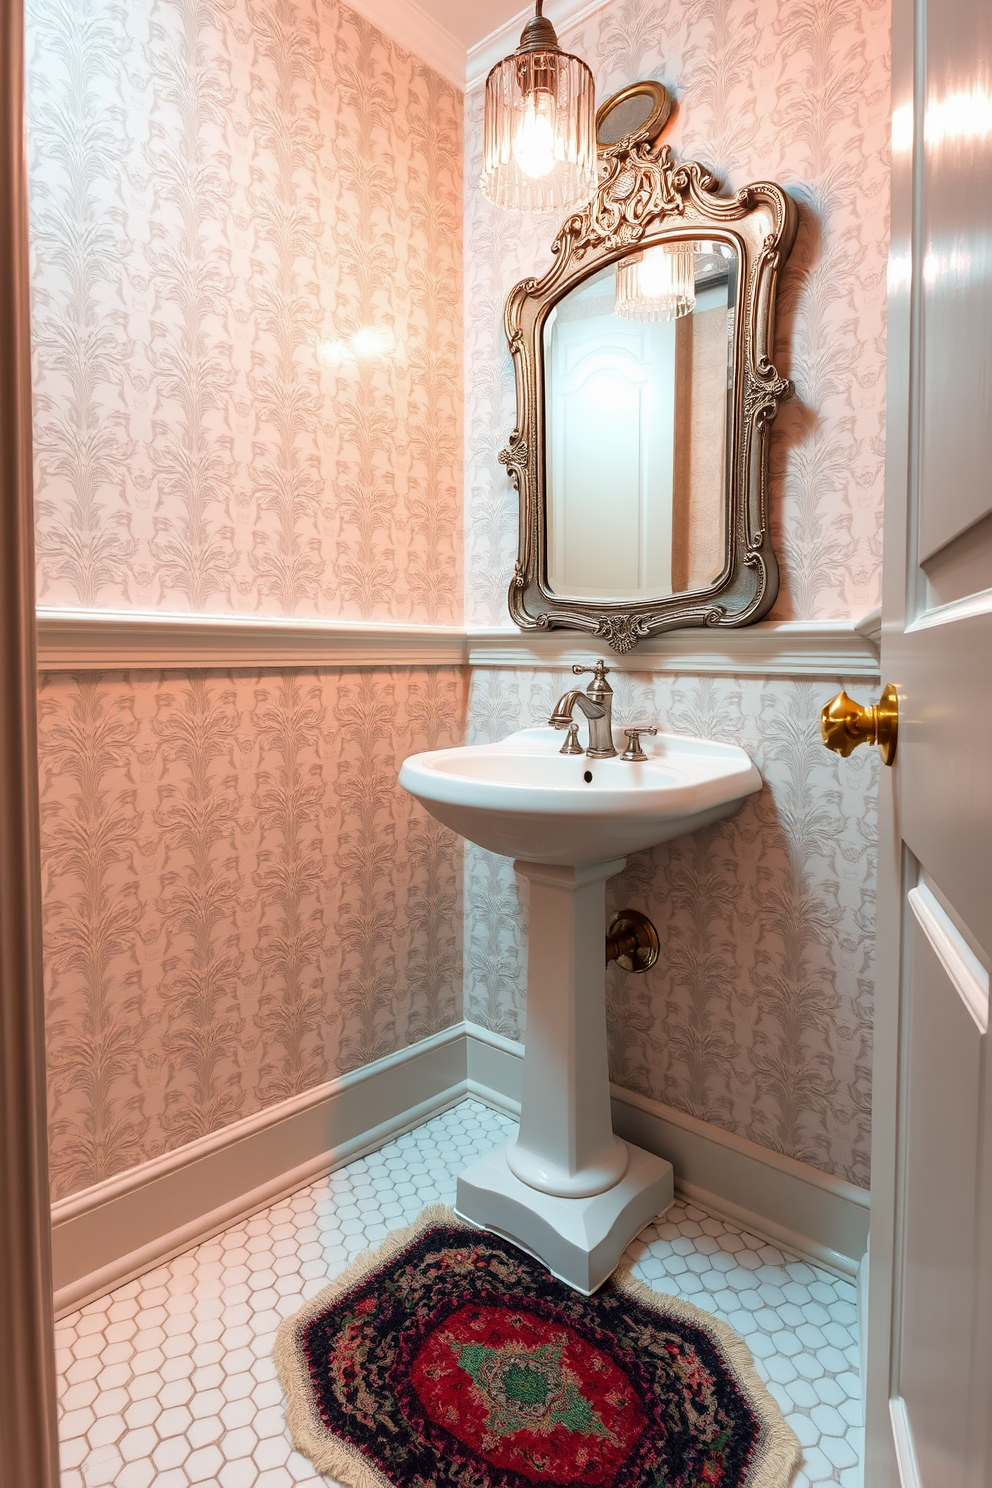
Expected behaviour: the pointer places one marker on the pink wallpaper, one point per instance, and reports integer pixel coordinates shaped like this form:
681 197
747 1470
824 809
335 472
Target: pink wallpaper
240 902
246 223
246 234
247 230
797 94
758 1015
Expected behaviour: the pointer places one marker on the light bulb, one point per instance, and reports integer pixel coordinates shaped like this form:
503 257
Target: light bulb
534 135
654 274
657 284
539 151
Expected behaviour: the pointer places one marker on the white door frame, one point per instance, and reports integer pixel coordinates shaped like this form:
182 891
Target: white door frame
28 1437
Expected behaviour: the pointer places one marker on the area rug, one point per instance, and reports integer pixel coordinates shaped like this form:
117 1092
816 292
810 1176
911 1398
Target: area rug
448 1358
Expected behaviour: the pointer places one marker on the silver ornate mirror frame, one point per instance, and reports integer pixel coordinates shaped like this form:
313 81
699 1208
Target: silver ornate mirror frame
644 199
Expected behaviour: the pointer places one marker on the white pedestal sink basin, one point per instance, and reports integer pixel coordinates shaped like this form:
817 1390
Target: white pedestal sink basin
522 797
566 1189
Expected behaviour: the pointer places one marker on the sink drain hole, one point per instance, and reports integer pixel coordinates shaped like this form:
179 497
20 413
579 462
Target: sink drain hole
587 777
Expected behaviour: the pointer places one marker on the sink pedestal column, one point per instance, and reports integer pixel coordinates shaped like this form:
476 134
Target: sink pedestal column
567 1189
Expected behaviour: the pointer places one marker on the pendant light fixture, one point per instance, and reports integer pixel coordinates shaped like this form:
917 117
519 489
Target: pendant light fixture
540 129
658 283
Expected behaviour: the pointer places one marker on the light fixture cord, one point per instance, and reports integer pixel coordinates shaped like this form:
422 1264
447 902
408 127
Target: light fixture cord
538 34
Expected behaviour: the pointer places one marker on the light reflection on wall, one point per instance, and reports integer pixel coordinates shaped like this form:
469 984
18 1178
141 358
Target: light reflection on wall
961 115
965 114
938 267
367 344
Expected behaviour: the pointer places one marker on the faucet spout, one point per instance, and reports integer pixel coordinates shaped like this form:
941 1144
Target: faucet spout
598 716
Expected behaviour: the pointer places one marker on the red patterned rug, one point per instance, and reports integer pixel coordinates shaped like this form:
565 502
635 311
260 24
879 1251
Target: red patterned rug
450 1359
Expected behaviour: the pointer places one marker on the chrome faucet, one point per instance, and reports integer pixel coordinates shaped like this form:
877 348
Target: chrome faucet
597 705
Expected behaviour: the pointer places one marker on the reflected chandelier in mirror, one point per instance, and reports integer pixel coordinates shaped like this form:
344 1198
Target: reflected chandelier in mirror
645 388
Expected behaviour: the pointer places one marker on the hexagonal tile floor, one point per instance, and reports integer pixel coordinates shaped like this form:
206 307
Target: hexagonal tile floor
169 1380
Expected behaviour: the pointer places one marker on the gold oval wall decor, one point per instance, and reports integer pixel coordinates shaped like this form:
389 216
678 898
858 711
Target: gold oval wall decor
638 112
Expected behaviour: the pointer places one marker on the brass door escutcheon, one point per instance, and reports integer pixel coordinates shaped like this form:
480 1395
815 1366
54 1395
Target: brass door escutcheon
632 941
845 724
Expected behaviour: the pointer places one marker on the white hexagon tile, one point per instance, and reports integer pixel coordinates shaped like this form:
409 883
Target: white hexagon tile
169 1380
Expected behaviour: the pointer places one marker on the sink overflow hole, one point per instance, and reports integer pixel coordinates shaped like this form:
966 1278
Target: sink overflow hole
587 777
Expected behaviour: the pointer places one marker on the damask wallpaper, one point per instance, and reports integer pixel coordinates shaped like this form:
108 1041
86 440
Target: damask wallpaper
246 233
758 1016
248 286
246 237
240 902
797 94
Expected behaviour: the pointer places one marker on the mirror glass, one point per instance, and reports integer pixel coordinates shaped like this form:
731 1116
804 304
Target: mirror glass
637 420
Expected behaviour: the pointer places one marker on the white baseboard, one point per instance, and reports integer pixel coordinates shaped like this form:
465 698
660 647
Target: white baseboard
789 1203
118 1229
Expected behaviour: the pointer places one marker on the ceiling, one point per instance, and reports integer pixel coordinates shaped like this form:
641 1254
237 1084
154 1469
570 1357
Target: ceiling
462 39
471 21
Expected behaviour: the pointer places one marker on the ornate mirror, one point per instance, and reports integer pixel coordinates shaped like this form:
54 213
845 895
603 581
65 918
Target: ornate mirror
645 389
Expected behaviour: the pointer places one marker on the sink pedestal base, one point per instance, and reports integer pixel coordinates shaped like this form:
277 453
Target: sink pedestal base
579 1240
566 1188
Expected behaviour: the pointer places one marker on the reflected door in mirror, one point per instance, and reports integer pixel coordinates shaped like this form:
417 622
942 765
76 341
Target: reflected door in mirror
637 436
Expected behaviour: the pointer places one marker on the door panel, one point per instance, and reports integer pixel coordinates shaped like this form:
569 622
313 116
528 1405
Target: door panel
939 1207
956 270
929 1387
944 757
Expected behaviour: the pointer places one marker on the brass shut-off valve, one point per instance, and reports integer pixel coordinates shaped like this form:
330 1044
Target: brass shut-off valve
632 941
845 724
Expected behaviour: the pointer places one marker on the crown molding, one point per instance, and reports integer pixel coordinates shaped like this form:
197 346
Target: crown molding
419 33
108 640
409 24
487 52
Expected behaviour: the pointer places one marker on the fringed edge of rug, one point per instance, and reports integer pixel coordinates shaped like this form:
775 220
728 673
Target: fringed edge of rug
328 1453
779 1450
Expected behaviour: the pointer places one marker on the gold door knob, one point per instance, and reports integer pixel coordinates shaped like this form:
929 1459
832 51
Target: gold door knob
845 724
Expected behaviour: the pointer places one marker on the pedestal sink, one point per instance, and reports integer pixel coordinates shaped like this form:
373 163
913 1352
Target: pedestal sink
567 1189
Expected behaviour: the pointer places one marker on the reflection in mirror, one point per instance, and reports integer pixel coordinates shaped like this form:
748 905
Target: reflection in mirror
637 365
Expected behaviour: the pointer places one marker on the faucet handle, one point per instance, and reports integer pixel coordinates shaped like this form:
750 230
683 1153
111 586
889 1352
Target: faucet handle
571 744
598 688
599 672
634 750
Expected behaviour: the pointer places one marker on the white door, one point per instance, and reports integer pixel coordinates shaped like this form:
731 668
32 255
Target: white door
613 533
930 1288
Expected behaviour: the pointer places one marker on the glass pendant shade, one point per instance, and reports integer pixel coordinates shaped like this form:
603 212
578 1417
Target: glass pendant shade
540 127
658 284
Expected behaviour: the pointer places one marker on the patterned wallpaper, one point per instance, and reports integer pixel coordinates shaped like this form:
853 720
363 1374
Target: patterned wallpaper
240 900
246 232
246 222
794 93
758 1016
247 320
